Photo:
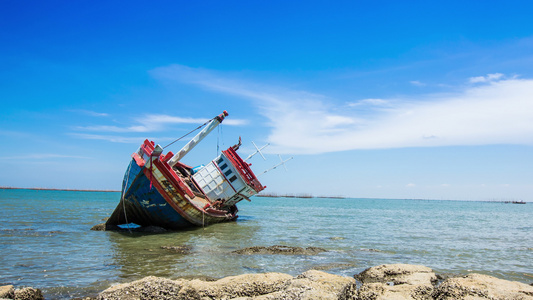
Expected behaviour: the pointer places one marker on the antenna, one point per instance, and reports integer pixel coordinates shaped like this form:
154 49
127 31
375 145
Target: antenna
258 151
281 163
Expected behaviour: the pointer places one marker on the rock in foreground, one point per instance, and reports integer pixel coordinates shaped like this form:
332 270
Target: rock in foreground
309 285
401 281
391 282
478 286
27 293
7 292
396 281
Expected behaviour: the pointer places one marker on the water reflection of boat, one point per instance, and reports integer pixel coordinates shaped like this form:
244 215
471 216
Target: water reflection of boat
159 190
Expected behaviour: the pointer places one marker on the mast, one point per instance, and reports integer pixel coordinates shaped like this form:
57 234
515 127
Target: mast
199 137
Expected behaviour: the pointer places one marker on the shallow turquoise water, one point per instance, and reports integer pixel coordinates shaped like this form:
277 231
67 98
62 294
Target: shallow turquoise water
46 243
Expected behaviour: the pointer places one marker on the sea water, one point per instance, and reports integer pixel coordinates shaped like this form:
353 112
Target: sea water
46 241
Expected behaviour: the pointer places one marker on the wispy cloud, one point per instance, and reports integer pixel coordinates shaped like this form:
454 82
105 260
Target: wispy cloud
90 113
15 134
111 138
146 124
487 78
417 83
41 156
371 102
499 111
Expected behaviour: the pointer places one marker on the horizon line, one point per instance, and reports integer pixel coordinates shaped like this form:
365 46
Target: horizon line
273 195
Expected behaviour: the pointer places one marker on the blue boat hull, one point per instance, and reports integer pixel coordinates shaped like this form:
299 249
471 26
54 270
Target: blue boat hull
143 205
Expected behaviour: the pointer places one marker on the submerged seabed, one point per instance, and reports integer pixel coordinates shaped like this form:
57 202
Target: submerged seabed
46 243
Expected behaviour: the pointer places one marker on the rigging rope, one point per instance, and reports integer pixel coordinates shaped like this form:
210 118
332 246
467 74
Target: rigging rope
189 132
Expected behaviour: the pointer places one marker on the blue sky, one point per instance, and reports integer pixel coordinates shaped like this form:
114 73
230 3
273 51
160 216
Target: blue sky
381 99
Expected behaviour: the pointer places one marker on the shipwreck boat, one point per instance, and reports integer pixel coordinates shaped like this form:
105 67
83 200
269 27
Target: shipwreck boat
159 190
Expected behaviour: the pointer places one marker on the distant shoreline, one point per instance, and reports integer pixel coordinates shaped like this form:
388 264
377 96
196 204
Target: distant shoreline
310 196
51 189
274 195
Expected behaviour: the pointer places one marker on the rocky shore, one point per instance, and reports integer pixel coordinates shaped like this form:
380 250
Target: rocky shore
393 281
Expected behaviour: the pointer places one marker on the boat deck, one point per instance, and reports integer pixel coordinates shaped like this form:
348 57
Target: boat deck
199 202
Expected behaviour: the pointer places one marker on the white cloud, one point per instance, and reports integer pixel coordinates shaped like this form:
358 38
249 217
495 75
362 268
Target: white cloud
107 128
417 83
488 78
157 121
499 112
110 138
90 113
477 79
410 185
154 123
370 102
